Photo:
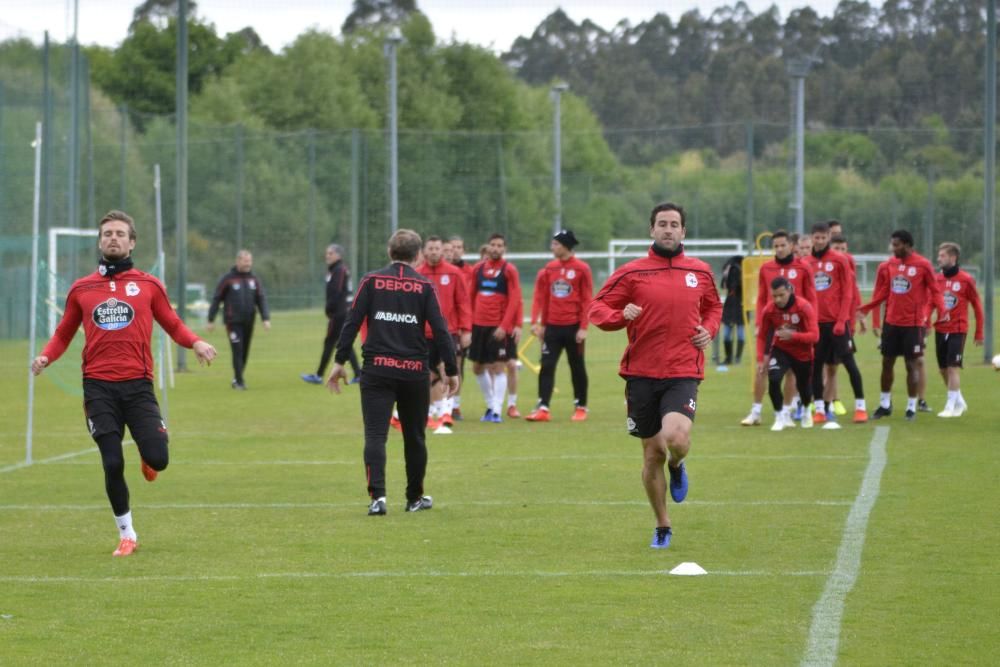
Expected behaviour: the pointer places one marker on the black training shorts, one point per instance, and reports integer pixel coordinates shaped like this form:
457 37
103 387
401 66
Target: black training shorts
111 406
950 348
485 349
649 400
830 348
907 342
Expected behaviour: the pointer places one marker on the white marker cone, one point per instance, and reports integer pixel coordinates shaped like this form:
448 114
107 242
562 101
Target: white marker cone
688 569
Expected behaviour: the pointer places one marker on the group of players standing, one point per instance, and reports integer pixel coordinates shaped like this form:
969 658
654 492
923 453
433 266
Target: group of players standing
808 304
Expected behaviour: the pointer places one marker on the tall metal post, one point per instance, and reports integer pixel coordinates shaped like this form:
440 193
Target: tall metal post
123 147
929 216
798 69
355 198
311 262
33 309
239 187
182 164
46 136
391 44
989 176
557 91
750 211
73 186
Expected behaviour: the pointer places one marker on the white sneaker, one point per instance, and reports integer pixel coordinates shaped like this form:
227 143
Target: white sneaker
790 421
779 424
948 412
960 408
807 418
751 419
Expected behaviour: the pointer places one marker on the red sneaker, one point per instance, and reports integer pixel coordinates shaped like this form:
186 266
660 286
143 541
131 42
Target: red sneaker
819 417
860 416
579 415
394 422
446 420
539 415
432 423
512 412
148 473
126 547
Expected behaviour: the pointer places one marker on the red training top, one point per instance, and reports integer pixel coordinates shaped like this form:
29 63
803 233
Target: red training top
959 292
496 295
677 294
835 284
563 292
798 315
452 293
796 272
906 286
117 313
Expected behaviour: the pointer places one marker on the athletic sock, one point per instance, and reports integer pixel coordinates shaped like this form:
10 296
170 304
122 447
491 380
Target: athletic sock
820 407
511 400
796 403
755 409
952 399
499 389
124 523
859 404
446 406
885 400
486 386
456 402
911 403
437 409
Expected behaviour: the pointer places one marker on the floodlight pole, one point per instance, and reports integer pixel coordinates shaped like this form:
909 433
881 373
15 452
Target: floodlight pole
182 167
557 91
989 177
392 42
33 325
798 69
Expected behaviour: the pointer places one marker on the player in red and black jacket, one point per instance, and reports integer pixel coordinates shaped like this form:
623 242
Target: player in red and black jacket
241 294
786 337
958 290
908 287
564 289
338 285
668 304
397 303
117 305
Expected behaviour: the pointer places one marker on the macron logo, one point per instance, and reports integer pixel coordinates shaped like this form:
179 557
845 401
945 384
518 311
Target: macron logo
405 318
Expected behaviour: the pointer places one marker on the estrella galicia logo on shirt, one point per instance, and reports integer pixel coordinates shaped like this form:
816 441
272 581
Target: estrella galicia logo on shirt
900 285
113 314
561 289
823 281
691 280
950 300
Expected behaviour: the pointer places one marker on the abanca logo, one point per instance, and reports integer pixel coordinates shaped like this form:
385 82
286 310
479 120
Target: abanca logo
113 314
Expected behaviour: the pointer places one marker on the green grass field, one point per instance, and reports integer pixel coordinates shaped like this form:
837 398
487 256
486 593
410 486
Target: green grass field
255 546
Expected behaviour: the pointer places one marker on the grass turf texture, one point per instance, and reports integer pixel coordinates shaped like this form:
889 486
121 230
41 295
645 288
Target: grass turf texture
255 547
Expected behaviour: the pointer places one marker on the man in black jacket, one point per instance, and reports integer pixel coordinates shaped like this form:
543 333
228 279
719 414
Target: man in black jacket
241 294
338 283
397 303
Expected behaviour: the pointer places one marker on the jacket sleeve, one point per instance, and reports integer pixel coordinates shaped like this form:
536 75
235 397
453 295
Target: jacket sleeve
70 322
514 304
439 327
265 312
220 294
606 308
847 304
977 307
934 292
881 291
463 304
711 308
764 333
810 327
762 289
539 302
809 287
355 316
586 295
168 319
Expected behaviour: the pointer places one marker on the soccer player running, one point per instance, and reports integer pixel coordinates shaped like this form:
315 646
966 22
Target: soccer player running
397 303
496 329
453 298
958 290
243 294
905 285
834 283
786 264
117 305
786 338
338 281
668 303
564 289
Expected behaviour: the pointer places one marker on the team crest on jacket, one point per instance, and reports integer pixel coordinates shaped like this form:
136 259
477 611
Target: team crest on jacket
795 318
113 314
131 289
571 274
252 283
691 280
445 279
792 273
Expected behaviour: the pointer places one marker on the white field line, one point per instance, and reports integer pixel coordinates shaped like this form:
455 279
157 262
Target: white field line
388 574
51 459
472 503
824 633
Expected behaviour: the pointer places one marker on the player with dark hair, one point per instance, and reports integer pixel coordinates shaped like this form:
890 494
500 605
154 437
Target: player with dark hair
396 303
242 294
958 290
668 303
496 327
457 250
838 242
338 286
906 285
117 305
786 338
563 291
786 264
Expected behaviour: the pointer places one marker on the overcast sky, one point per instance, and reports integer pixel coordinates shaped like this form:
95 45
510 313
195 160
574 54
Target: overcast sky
490 23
